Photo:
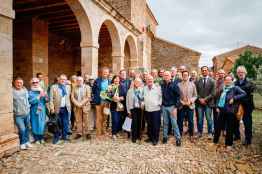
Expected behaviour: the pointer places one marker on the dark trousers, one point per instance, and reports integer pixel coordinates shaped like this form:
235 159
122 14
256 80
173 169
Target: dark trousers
116 122
247 120
136 123
188 113
228 119
154 121
63 122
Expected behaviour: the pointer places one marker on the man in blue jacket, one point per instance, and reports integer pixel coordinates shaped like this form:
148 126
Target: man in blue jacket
100 85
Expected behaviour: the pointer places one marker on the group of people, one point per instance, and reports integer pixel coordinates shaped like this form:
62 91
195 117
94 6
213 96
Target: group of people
175 98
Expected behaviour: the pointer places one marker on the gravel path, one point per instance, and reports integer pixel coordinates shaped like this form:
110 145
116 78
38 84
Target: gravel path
123 157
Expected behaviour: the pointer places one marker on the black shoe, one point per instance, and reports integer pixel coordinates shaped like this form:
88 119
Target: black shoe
88 137
154 143
76 137
133 140
236 138
178 142
148 140
164 140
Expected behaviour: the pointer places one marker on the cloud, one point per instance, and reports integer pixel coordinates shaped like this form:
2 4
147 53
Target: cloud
209 26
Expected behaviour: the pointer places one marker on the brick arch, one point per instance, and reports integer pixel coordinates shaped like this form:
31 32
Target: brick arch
130 46
83 22
114 35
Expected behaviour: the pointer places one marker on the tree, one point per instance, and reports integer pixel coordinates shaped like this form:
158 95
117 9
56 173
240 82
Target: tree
252 62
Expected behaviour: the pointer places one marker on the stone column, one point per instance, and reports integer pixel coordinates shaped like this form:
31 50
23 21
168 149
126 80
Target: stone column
117 62
89 59
133 63
8 138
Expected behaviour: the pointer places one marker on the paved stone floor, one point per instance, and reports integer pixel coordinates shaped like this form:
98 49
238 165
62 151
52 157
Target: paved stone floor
123 157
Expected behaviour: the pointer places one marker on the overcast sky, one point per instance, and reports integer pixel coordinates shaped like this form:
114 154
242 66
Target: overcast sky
209 26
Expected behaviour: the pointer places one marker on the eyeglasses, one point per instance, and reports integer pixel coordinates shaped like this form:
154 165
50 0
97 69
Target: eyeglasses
35 82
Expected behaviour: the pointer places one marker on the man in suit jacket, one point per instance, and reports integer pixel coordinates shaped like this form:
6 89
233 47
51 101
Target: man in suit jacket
81 96
60 105
205 101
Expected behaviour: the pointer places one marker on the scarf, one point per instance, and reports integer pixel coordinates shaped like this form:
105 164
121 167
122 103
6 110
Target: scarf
63 89
222 99
137 98
36 88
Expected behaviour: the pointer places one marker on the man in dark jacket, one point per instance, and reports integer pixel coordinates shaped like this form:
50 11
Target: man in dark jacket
170 102
247 103
100 85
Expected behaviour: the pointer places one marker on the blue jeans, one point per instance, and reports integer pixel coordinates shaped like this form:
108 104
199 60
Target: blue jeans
22 123
116 122
63 121
167 114
204 111
186 111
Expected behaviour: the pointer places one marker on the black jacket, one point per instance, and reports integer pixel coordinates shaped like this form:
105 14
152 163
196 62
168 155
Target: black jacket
171 94
249 88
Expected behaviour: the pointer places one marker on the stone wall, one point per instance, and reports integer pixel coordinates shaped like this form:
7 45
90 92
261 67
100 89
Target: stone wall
123 7
166 54
63 57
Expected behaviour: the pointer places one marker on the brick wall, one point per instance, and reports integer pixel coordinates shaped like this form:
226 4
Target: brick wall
22 64
166 55
123 7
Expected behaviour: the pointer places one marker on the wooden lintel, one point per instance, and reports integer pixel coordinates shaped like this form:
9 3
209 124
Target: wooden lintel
40 7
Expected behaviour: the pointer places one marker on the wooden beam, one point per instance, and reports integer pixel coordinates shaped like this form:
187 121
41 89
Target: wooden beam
41 7
64 29
63 25
62 21
58 17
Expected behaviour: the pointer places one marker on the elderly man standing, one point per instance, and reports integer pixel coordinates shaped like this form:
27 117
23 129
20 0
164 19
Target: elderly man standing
247 103
60 105
153 101
21 108
81 96
171 100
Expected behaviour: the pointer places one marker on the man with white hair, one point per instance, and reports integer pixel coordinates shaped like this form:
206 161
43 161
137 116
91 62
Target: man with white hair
247 103
60 105
170 102
81 97
152 101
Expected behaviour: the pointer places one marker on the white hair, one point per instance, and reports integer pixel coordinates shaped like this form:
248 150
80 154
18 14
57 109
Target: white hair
242 68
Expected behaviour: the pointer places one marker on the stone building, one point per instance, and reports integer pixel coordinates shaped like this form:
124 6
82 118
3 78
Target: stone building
166 54
227 60
68 36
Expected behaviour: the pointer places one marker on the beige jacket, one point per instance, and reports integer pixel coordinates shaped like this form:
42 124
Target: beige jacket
86 98
55 99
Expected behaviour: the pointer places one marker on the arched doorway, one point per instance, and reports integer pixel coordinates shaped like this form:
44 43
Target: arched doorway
130 50
47 37
109 46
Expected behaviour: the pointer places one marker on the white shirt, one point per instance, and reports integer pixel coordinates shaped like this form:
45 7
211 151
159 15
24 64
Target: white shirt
152 98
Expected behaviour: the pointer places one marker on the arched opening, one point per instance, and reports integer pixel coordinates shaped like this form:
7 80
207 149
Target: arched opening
109 45
47 36
130 50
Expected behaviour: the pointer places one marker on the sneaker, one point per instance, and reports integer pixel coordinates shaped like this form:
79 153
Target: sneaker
58 142
210 136
23 147
88 137
37 142
178 143
164 140
28 145
42 141
114 137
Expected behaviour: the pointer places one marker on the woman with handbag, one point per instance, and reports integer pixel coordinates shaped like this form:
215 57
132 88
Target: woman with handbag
134 104
115 95
227 108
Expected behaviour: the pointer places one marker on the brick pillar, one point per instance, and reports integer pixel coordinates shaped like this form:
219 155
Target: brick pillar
39 46
117 63
89 59
8 139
